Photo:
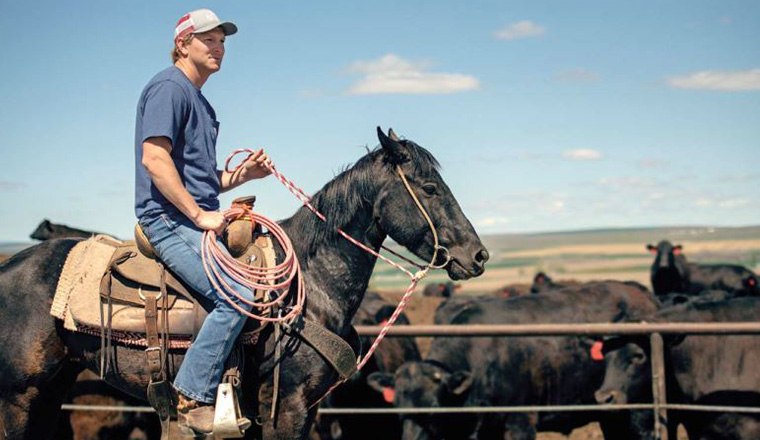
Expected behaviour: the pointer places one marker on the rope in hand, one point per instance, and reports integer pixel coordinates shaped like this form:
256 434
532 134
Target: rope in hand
240 271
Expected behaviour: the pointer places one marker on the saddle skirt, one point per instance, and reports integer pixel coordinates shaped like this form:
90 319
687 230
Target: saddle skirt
103 283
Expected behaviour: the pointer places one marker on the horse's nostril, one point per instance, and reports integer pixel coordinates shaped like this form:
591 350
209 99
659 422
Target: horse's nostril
481 256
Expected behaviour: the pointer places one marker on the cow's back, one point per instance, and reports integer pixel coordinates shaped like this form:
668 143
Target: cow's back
707 364
727 277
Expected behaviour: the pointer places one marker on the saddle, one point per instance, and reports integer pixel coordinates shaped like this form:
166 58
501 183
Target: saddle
135 274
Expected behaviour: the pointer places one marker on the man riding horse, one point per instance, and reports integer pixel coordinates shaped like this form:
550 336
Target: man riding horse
177 186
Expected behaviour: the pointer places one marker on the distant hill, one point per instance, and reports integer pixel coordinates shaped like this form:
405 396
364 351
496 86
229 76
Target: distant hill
621 235
10 247
610 253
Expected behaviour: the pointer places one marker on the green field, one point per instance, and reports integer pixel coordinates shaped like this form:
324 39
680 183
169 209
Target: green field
602 254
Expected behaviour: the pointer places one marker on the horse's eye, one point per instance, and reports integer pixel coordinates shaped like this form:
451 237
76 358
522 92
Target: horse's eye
430 188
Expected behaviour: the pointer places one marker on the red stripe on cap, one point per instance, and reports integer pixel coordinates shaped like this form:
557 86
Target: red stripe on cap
183 19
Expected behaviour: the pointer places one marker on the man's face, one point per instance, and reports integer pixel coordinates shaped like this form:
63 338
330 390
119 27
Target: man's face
206 50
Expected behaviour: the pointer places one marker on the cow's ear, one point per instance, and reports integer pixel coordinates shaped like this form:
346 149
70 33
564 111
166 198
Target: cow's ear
651 249
380 381
679 298
677 249
384 314
673 340
592 345
459 382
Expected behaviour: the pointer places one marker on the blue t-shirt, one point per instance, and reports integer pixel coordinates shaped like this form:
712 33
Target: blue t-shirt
171 106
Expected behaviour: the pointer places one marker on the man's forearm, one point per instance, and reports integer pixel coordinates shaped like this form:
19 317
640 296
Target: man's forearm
228 181
164 175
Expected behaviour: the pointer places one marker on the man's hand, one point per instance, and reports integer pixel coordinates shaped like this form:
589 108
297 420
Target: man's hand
211 221
255 167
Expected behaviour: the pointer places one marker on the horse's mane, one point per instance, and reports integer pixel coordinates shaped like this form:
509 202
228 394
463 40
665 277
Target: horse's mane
352 189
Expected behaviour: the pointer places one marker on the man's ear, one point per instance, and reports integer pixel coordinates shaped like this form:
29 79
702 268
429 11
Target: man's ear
459 382
380 381
182 45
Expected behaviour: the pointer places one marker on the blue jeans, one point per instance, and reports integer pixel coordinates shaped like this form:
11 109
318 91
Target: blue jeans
177 242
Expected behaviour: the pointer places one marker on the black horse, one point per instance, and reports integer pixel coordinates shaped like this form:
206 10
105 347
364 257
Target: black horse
39 360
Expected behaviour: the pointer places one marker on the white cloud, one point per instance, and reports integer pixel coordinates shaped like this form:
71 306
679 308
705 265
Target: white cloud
582 154
492 221
578 76
726 19
555 206
626 182
733 203
652 164
738 80
655 196
519 29
394 75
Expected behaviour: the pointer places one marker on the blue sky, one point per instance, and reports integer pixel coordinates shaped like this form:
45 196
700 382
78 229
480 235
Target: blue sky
544 115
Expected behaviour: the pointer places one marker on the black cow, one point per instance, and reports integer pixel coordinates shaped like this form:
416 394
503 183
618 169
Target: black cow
356 393
543 282
720 370
516 371
672 273
450 308
443 290
48 231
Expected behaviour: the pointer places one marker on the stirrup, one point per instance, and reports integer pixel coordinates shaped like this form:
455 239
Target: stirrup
228 420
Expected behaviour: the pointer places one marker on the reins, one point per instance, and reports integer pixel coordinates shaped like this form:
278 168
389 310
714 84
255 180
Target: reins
290 270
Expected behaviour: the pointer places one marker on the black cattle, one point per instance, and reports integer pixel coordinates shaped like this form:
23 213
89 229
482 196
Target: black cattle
356 393
510 290
443 290
451 307
672 273
48 231
720 370
543 283
516 371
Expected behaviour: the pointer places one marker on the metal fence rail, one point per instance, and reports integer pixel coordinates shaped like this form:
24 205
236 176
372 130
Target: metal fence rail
655 330
688 328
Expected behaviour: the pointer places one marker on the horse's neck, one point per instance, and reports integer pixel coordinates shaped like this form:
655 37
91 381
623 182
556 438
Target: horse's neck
337 273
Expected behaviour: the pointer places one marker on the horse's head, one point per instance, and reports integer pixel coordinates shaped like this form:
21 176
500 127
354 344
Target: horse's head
398 216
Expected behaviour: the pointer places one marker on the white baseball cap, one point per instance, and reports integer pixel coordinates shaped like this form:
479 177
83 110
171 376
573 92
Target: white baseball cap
201 20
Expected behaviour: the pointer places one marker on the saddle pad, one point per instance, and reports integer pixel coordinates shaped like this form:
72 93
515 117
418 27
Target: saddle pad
81 274
77 299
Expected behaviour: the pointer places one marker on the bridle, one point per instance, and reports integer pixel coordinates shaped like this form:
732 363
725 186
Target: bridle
436 246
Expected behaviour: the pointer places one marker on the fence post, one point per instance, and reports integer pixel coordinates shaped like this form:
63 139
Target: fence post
659 395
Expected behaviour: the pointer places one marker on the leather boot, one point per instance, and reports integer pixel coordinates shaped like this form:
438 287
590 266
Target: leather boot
194 417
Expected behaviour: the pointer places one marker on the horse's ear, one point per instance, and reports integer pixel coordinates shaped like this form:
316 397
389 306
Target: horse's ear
393 148
392 135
